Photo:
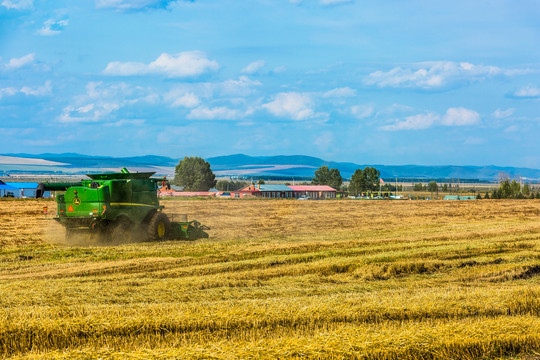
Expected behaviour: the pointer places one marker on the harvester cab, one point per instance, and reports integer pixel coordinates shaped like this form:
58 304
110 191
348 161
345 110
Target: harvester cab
118 206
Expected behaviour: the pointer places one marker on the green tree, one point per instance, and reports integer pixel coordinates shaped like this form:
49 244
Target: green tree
505 190
261 182
526 190
433 187
222 185
358 183
194 174
418 187
516 189
226 185
322 176
364 181
372 176
486 196
326 176
445 188
335 179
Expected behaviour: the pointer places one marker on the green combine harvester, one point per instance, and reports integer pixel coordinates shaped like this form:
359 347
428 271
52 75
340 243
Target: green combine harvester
118 206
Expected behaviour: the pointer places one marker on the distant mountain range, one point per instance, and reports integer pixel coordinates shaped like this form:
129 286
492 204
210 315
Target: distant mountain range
241 165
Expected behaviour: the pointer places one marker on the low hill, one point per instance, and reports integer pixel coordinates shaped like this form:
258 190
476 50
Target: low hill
302 166
288 166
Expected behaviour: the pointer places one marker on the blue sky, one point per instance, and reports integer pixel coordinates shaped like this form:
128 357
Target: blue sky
380 82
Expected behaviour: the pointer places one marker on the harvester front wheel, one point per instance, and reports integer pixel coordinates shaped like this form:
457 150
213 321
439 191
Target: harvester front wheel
159 227
121 231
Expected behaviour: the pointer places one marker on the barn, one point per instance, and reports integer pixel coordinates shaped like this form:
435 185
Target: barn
268 191
314 191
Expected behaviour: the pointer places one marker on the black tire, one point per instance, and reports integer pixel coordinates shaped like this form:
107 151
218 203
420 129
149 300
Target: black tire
103 233
121 231
159 227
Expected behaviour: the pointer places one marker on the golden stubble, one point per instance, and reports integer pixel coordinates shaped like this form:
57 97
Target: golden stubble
280 279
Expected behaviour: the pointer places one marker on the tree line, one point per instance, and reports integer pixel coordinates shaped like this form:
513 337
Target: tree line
362 181
194 174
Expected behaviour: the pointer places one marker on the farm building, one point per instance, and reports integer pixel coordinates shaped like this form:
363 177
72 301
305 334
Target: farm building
26 189
268 191
459 197
288 192
7 190
234 194
314 191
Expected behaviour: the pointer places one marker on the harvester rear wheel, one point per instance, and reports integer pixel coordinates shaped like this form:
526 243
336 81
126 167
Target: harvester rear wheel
159 227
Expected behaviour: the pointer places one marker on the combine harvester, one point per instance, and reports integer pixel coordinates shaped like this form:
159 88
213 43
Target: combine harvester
118 207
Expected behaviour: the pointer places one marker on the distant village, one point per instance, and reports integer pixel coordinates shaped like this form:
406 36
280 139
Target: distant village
274 191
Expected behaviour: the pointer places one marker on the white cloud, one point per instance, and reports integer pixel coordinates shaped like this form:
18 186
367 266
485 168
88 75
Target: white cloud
9 91
53 27
217 113
18 4
44 90
192 94
16 63
88 113
188 100
241 87
453 117
334 2
296 106
501 114
126 68
436 74
129 123
254 67
127 5
101 102
362 111
340 92
184 64
324 141
414 122
460 117
528 91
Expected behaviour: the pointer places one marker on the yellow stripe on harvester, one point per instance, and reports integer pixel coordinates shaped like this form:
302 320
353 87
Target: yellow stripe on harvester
131 204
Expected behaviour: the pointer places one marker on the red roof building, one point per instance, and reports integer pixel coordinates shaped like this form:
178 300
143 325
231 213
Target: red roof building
268 191
314 191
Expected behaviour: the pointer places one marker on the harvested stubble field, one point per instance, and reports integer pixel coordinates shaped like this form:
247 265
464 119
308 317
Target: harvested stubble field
281 279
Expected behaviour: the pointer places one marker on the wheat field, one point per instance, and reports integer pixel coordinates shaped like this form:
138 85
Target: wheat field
280 279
